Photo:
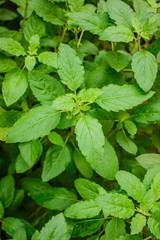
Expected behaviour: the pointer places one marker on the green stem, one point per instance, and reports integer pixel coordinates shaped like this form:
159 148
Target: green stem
63 34
80 38
113 46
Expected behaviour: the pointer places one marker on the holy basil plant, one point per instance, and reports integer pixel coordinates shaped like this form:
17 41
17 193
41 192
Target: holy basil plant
79 119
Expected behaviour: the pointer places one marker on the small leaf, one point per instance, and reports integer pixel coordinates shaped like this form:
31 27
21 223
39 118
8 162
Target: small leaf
130 127
56 160
14 86
30 62
7 190
116 205
150 174
147 160
117 34
11 46
38 122
88 95
65 102
83 209
56 139
49 58
126 143
117 60
70 67
145 69
138 223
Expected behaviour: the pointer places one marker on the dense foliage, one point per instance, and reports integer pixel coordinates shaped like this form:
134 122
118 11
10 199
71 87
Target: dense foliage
79 119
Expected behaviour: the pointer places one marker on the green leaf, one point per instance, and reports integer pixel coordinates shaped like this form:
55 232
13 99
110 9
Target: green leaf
56 139
44 87
114 229
147 160
88 95
20 234
88 189
31 151
11 46
145 69
65 102
147 113
54 229
8 118
155 187
117 34
82 165
131 184
91 140
43 194
7 15
56 161
83 228
83 209
70 67
21 166
14 85
116 205
126 143
1 210
122 13
49 58
75 5
18 198
95 23
7 190
38 122
150 174
130 127
33 25
116 98
30 62
11 225
34 43
44 9
7 64
154 224
117 60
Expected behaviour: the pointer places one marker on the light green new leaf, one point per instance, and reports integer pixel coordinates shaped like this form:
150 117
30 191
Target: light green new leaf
88 189
7 190
43 194
83 209
56 160
117 34
145 69
70 67
75 5
31 151
88 95
82 164
131 184
7 64
114 229
91 140
130 127
54 229
148 113
150 174
49 58
122 13
155 187
56 139
50 12
14 85
117 60
116 98
44 87
126 143
11 46
38 122
90 22
147 160
147 202
116 205
154 224
138 223
65 102
30 62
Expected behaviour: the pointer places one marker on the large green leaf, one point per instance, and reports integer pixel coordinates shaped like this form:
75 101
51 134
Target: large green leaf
38 122
54 229
83 209
44 87
116 98
147 160
115 228
70 67
56 160
91 141
7 190
11 46
122 13
43 194
50 12
117 34
7 64
116 205
131 184
14 86
145 69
